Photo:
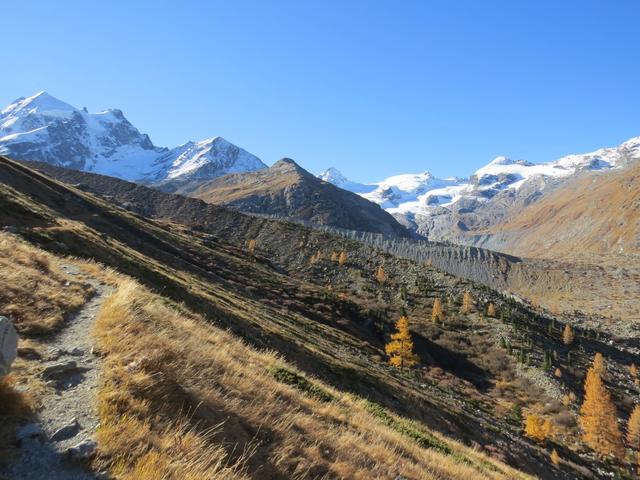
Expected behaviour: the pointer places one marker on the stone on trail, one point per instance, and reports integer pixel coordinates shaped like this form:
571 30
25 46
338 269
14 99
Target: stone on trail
68 431
8 345
59 369
83 450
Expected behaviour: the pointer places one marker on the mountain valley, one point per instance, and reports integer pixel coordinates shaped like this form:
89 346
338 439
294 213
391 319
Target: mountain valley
244 313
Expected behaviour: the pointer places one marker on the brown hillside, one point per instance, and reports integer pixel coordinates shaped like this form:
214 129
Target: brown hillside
287 190
594 218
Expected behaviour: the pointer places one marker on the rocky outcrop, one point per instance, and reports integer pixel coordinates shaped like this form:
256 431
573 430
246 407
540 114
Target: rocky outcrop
8 345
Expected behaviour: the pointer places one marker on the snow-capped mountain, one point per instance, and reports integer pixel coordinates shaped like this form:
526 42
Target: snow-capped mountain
400 192
205 160
431 205
332 175
43 128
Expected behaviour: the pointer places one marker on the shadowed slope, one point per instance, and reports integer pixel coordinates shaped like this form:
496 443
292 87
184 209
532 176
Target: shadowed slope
287 190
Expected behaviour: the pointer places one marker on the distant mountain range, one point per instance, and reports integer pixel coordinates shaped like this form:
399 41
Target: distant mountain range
472 211
454 209
43 128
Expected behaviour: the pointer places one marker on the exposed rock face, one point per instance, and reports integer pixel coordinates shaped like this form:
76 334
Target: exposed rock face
595 218
199 161
44 128
8 345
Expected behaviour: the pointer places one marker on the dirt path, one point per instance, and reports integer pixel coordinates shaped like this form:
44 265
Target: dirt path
70 396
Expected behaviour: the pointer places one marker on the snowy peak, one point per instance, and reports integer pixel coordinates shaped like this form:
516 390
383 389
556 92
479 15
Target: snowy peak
41 103
41 127
334 176
501 160
423 194
207 159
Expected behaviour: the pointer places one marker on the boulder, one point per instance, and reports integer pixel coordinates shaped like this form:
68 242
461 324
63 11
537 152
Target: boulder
83 451
58 369
8 345
68 431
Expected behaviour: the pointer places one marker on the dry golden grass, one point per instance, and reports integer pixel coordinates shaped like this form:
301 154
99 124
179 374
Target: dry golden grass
35 293
182 399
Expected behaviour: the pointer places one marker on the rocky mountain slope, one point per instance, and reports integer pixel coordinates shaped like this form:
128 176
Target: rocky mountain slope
43 128
452 209
162 388
287 190
594 217
277 286
605 296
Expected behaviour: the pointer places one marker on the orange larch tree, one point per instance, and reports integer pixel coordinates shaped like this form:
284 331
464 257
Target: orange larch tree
381 275
437 313
599 365
251 246
633 429
537 428
598 417
567 335
467 302
400 348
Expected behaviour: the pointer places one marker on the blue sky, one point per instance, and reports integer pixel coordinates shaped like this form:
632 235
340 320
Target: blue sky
372 88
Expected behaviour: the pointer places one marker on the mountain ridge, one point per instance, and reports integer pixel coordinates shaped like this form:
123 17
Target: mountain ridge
44 128
441 208
287 190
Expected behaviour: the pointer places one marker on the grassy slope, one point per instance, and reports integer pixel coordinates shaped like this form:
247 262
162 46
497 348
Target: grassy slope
330 321
183 399
243 408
